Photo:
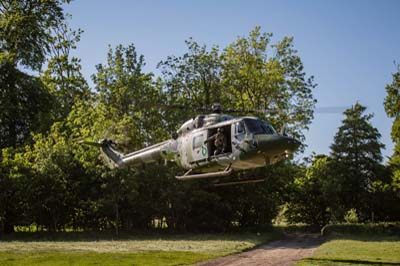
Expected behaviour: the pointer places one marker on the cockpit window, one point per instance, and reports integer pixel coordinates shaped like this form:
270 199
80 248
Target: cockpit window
240 129
256 127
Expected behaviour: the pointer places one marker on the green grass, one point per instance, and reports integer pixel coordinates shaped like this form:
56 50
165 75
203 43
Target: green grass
371 250
149 258
129 249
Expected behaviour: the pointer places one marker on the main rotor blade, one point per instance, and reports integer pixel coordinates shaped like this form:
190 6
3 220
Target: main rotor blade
318 109
321 109
331 109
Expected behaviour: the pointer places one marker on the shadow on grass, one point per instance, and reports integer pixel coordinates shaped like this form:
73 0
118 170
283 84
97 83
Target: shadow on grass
348 261
365 237
90 236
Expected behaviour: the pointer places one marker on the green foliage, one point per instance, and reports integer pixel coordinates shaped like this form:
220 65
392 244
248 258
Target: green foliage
125 91
50 198
26 30
309 202
24 106
392 107
193 79
245 75
257 78
63 76
14 173
195 76
47 179
26 36
353 178
351 216
356 152
368 229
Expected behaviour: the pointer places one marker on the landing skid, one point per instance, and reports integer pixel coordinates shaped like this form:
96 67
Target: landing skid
239 182
188 176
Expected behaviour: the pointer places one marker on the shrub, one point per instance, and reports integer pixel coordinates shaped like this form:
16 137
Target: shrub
361 229
351 216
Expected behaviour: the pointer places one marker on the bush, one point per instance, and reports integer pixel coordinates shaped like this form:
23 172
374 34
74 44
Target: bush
361 229
351 216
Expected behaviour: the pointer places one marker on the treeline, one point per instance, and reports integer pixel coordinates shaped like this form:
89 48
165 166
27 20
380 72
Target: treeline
49 180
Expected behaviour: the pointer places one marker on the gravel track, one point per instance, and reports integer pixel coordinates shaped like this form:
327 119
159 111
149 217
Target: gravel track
277 253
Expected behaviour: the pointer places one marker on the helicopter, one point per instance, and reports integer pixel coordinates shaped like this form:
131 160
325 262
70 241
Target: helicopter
248 143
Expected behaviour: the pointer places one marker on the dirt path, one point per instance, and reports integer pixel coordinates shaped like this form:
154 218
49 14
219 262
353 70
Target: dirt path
277 253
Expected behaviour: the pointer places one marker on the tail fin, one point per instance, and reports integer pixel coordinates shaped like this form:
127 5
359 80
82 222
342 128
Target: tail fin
107 148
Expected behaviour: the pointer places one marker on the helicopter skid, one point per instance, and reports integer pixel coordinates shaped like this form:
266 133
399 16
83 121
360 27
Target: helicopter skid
188 176
239 182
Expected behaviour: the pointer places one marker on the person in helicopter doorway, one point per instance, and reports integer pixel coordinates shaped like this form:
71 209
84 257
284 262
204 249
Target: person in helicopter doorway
219 141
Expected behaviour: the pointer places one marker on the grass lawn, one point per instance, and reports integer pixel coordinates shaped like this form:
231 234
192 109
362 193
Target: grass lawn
102 249
356 251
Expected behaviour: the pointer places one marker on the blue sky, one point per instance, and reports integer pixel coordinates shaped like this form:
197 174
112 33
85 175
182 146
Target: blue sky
348 46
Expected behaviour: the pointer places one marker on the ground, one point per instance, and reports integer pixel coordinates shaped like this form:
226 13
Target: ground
250 248
129 249
277 253
357 250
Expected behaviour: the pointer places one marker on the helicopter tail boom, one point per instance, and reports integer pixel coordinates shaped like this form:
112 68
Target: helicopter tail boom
146 155
115 159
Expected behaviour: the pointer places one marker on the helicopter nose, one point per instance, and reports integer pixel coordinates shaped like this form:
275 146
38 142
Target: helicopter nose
292 144
277 144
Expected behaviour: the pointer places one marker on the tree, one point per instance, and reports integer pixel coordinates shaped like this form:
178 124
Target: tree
15 172
257 75
392 108
24 106
357 154
126 90
119 111
63 77
49 194
193 79
195 76
25 36
310 202
25 30
245 75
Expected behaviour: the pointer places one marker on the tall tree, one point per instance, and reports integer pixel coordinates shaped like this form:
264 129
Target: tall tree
15 173
258 75
25 37
26 30
24 106
192 79
194 76
310 202
392 108
248 74
63 76
357 154
126 90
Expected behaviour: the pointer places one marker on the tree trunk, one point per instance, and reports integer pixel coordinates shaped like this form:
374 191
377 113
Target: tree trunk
8 227
116 219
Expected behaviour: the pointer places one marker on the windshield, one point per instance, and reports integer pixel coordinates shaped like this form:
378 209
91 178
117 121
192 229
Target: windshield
256 126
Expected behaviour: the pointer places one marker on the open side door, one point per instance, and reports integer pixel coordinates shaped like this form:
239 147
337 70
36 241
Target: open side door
199 149
228 140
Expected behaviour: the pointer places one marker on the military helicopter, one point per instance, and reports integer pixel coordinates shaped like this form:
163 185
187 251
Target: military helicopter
245 143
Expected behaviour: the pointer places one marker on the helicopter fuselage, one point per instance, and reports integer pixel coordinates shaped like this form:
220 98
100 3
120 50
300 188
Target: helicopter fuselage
247 143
